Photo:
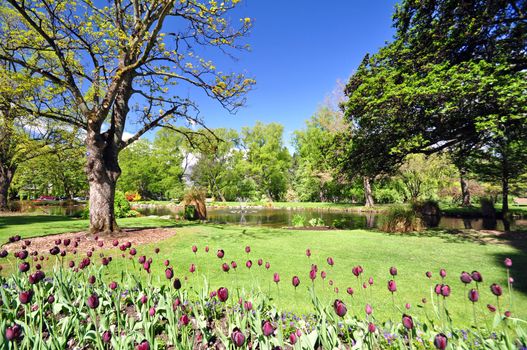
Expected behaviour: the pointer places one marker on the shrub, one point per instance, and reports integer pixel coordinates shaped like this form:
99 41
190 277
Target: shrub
121 207
429 208
401 219
316 222
132 196
387 195
298 220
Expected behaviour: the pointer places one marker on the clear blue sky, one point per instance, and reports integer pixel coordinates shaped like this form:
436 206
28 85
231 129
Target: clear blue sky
300 48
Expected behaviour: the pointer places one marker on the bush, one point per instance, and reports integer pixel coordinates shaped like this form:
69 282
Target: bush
428 208
387 195
401 219
132 196
316 222
121 207
298 220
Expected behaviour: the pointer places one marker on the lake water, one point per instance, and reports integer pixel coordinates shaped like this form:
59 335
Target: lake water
351 220
284 217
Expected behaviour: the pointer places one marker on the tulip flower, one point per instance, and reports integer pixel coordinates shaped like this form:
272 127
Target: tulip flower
247 249
371 327
496 289
340 308
292 338
476 276
508 262
143 346
152 311
308 252
142 259
25 296
93 301
169 273
234 265
225 267
13 333
220 254
194 249
473 295
166 262
349 291
143 299
507 313
22 255
267 328
223 294
428 274
408 322
237 338
330 261
157 250
133 251
184 320
295 281
113 285
276 278
23 267
177 284
407 306
393 271
445 290
368 309
260 262
106 337
248 305
370 281
206 249
465 277
51 299
392 287
192 268
3 253
267 265
313 275
323 274
54 251
249 264
91 279
491 308
440 341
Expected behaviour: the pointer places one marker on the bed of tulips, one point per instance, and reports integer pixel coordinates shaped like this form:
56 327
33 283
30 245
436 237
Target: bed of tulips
61 300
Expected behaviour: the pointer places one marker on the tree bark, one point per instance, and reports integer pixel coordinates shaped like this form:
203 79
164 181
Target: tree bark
368 195
6 176
465 191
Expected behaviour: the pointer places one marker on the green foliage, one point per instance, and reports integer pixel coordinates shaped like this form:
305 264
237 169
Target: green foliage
401 219
316 222
298 220
122 208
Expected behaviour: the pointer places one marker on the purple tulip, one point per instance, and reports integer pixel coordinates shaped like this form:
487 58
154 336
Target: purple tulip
330 261
408 322
13 333
225 267
473 295
276 278
223 294
106 337
368 309
357 270
349 291
312 274
234 265
54 251
247 249
440 341
323 274
508 262
496 289
3 253
25 296
465 277
237 337
169 273
267 265
152 311
295 281
340 308
442 273
428 274
445 290
292 338
476 276
491 308
113 285
308 252
392 287
371 327
51 299
184 320
267 328
91 279
248 305
220 254
192 268
133 251
393 271
143 346
93 301
370 281
177 284
23 254
194 249
142 259
507 313
23 267
248 264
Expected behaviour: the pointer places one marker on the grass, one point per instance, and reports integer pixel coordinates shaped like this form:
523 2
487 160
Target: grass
412 254
42 225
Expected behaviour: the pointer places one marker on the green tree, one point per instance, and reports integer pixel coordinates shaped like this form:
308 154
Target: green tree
105 59
454 78
266 159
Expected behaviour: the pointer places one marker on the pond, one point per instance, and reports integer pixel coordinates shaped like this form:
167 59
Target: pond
284 217
351 220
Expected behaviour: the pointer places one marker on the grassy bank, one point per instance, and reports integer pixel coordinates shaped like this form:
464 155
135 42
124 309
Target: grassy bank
413 255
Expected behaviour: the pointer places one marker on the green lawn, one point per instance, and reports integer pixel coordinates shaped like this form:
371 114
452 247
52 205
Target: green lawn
413 255
41 225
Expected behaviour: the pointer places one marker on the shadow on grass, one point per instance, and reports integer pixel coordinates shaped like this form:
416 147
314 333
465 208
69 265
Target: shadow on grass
32 219
518 270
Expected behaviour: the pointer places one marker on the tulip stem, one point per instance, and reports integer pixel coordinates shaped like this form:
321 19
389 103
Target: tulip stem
510 288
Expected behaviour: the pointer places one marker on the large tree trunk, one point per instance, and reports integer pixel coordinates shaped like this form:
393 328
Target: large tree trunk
6 176
368 194
103 171
465 191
